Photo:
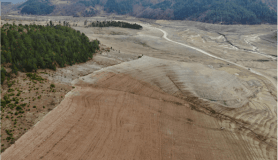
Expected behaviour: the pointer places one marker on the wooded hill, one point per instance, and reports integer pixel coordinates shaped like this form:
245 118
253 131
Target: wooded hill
29 47
212 11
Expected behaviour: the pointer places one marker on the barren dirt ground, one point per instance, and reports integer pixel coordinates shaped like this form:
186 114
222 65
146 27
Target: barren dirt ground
173 103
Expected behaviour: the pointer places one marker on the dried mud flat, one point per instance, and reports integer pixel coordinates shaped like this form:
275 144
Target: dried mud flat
181 105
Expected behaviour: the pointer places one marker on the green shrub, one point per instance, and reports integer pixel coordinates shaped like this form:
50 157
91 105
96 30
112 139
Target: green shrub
9 132
10 90
3 103
23 104
18 108
11 94
52 86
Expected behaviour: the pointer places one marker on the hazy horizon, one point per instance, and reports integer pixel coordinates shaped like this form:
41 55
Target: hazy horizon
14 1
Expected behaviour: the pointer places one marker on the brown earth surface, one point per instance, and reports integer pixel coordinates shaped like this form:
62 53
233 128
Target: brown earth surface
111 114
39 99
173 103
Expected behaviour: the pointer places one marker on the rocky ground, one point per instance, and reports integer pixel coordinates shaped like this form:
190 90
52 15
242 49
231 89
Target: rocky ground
36 98
174 102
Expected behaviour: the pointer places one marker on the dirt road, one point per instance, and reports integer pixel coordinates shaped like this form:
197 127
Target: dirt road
206 53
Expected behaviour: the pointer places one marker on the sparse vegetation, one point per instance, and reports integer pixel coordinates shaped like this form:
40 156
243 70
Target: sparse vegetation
13 107
34 76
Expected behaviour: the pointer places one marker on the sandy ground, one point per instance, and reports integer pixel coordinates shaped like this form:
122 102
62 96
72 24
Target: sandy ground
112 114
173 103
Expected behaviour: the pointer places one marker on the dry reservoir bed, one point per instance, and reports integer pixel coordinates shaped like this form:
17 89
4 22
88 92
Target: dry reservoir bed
128 111
181 104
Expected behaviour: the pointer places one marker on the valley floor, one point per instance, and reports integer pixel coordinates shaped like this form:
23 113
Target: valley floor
174 102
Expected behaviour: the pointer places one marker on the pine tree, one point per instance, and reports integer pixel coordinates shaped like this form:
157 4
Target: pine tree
14 69
3 75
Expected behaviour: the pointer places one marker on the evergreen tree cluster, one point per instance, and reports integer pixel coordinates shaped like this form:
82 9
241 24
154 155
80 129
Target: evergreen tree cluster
29 47
115 24
89 3
123 7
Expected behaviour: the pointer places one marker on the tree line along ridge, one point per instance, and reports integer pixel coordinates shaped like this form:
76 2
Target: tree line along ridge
113 24
27 48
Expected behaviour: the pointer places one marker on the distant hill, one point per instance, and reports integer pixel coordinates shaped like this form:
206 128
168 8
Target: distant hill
37 7
211 11
6 3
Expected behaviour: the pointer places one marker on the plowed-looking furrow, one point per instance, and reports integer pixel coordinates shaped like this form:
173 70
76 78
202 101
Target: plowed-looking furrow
65 132
41 131
88 119
111 119
99 140
119 116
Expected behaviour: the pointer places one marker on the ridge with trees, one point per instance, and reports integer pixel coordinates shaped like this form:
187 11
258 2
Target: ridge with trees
29 47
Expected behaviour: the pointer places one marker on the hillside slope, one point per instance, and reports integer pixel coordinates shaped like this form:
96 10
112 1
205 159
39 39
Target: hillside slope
211 11
128 111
